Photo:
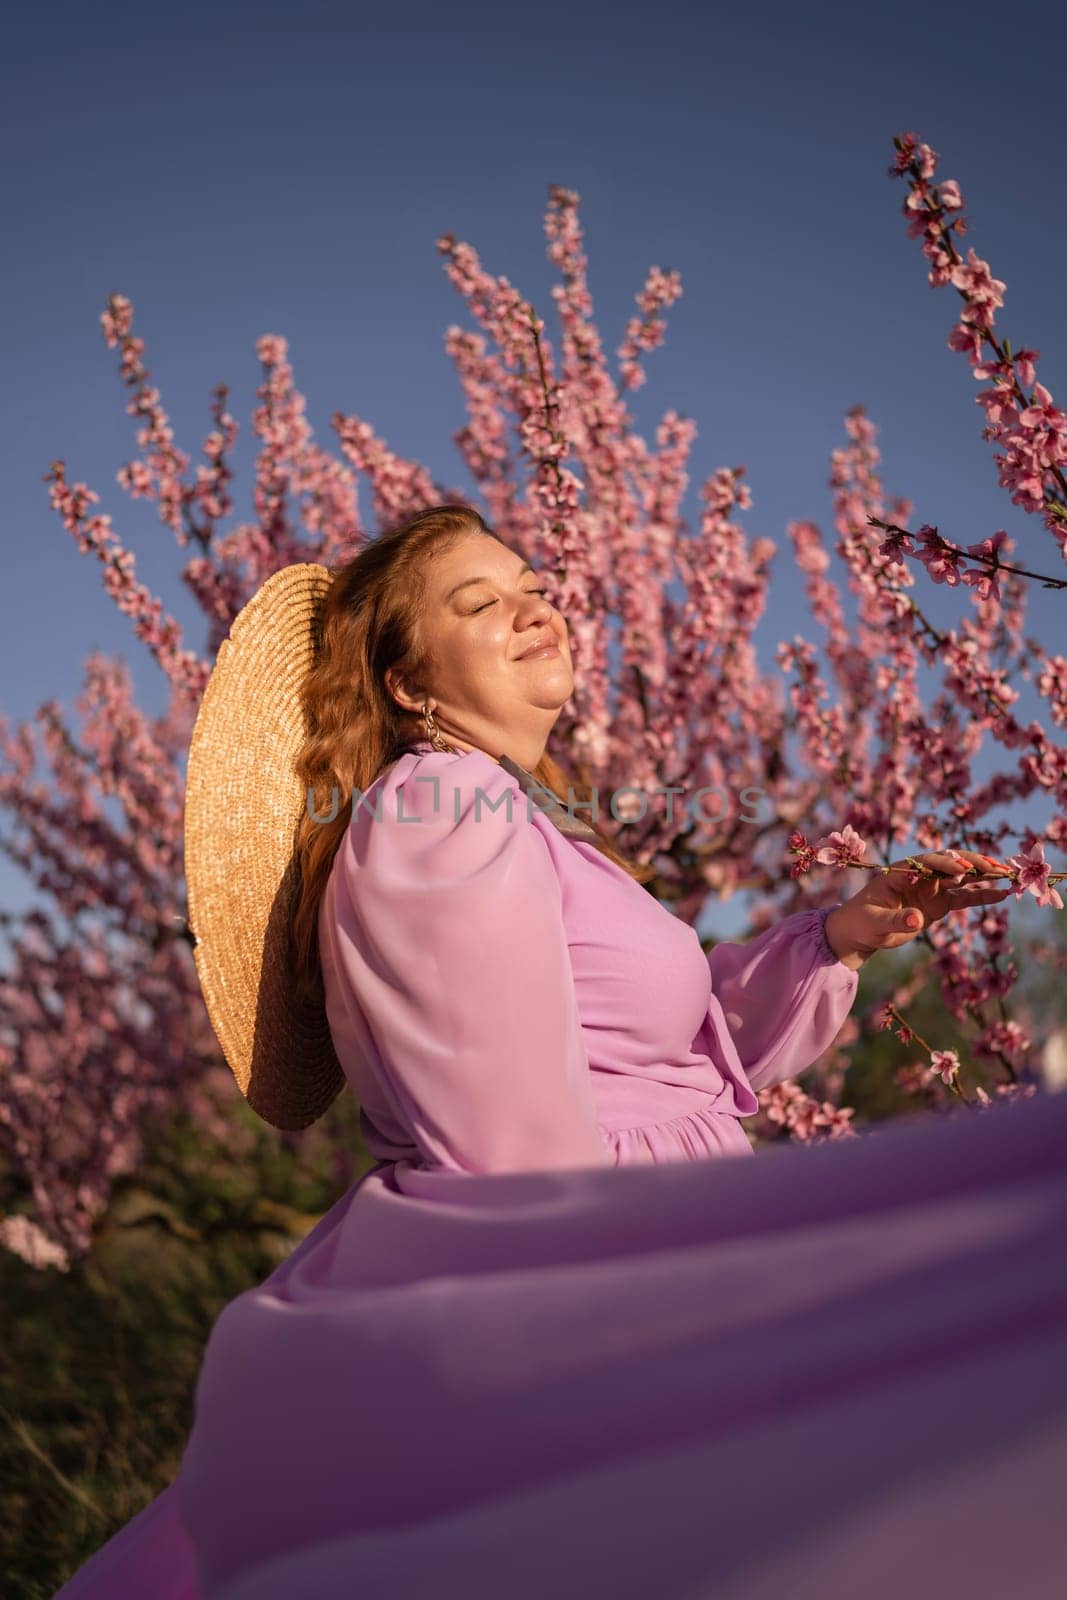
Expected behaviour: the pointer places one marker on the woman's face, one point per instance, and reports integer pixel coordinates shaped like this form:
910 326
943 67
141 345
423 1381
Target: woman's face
484 609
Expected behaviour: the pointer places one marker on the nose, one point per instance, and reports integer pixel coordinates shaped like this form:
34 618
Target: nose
539 612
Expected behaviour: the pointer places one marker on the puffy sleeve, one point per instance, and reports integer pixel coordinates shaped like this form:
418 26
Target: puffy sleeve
447 931
782 998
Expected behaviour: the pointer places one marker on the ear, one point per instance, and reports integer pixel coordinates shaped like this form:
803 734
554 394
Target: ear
404 693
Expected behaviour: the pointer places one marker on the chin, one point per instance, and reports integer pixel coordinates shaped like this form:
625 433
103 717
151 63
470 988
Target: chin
556 702
553 696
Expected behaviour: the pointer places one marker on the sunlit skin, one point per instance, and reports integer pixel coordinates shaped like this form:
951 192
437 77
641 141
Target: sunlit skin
481 696
484 606
874 918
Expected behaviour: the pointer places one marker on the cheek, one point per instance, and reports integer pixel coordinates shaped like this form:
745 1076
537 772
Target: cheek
475 654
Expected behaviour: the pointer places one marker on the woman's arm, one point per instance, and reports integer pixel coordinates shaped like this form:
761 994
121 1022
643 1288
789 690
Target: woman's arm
782 997
450 935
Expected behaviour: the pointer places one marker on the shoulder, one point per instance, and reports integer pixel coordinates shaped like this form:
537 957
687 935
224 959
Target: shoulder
435 818
472 781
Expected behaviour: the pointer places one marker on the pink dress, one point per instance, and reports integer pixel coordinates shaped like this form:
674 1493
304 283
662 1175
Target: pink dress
505 998
543 1348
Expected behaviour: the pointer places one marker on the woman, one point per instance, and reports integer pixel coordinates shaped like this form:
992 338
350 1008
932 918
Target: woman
492 1367
503 997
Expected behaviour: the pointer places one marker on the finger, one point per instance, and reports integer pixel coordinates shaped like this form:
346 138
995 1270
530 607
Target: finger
976 895
974 858
988 866
971 867
952 862
939 861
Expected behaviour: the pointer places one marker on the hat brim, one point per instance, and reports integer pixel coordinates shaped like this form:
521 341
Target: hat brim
243 801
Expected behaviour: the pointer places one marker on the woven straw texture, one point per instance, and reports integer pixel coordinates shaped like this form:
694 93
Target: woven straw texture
243 801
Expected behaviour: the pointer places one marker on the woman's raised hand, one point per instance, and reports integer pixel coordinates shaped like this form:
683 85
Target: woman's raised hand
897 904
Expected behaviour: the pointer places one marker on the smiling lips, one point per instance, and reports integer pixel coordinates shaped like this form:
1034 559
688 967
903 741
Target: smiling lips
536 649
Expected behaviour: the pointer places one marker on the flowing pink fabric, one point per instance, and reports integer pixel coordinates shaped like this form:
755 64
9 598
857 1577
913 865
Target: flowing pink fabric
495 1367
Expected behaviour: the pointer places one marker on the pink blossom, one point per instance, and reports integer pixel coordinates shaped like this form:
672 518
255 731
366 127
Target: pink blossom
946 1063
940 559
806 1119
838 848
893 546
22 1236
1033 876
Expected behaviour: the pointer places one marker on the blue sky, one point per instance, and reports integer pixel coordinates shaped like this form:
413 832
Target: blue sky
240 170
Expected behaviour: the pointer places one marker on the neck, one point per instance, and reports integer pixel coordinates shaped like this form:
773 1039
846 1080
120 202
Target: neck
525 750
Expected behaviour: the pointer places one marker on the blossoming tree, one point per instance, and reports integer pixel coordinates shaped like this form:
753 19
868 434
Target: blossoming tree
102 1028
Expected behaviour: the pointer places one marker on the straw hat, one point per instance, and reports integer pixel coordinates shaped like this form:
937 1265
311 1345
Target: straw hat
243 801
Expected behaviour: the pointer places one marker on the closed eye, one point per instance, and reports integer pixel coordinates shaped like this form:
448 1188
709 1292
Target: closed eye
476 610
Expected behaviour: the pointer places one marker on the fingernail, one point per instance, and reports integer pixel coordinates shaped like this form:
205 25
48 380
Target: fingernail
913 919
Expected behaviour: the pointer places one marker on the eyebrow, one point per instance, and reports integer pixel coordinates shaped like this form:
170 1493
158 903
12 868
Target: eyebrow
526 567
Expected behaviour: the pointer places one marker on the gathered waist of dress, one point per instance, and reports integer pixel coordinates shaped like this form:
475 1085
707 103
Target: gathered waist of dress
630 1099
707 1131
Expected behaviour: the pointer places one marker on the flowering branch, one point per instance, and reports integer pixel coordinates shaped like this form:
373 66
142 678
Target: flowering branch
943 560
1032 429
1028 871
944 1065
